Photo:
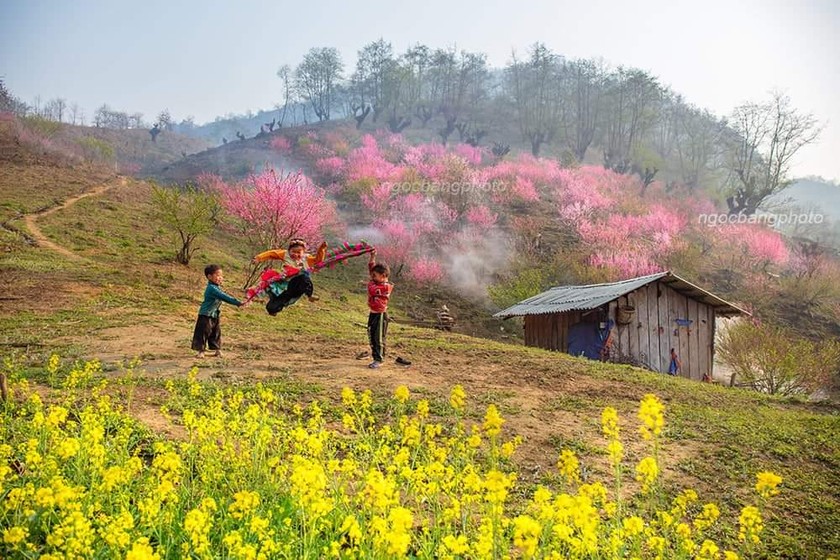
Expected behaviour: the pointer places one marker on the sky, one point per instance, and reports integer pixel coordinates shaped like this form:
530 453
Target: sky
210 58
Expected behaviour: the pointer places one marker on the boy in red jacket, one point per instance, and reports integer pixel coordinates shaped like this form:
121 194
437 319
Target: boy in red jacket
379 292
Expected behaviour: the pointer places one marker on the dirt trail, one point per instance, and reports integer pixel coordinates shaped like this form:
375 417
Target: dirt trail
31 219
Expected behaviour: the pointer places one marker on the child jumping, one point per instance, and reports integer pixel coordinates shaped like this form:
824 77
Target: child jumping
379 292
296 264
207 327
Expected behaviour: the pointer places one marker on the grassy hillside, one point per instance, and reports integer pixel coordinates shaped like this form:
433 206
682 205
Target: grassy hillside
117 295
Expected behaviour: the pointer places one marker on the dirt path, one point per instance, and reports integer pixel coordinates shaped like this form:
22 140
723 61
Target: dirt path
31 219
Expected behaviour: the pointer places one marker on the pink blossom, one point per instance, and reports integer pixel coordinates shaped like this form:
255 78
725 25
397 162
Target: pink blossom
471 154
379 198
368 161
425 270
481 216
757 244
281 144
331 168
274 207
625 265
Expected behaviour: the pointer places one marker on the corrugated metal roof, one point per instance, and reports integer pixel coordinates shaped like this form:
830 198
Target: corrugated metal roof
592 296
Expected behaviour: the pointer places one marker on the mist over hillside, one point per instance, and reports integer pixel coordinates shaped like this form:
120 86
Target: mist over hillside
812 193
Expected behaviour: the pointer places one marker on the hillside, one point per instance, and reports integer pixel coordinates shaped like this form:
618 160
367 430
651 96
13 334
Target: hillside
113 294
815 195
233 160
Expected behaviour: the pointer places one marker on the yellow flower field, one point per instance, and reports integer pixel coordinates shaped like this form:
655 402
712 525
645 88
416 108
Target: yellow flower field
258 476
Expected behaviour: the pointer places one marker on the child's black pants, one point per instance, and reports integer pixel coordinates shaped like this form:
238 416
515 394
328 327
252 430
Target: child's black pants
208 332
377 330
298 286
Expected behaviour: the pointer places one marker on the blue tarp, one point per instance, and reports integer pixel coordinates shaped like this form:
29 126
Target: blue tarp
587 339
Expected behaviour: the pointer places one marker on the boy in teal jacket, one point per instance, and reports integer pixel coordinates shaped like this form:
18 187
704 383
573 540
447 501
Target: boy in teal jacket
207 327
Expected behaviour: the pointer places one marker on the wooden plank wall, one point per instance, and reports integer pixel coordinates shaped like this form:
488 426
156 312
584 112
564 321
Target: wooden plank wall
550 331
652 333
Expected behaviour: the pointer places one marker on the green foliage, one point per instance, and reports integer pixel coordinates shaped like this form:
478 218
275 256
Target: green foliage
41 126
773 360
189 212
526 283
96 149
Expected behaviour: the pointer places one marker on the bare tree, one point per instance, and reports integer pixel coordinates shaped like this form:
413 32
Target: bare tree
135 120
768 136
318 77
630 112
586 81
54 109
697 144
457 84
188 212
75 113
10 103
773 360
164 120
286 77
373 80
105 117
535 86
415 65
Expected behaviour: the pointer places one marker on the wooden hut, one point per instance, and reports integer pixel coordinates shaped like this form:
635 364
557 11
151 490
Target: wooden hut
637 321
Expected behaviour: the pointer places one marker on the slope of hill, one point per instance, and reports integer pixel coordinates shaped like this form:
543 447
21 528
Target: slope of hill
815 195
233 160
115 294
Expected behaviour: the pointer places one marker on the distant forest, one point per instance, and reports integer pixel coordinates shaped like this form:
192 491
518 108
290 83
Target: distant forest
575 110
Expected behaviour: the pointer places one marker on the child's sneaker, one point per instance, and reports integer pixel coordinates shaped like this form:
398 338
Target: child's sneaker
403 361
375 365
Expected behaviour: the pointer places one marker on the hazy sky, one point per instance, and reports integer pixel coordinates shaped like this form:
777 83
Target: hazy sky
212 57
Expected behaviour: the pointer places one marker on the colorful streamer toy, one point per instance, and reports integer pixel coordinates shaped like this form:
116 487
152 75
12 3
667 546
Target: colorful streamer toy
334 256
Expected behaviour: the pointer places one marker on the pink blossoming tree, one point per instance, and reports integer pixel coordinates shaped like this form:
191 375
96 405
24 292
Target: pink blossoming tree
272 207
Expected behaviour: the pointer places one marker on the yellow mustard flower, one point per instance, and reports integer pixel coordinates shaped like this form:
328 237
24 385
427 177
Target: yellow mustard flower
708 551
651 413
493 421
707 517
647 472
633 525
766 484
348 397
569 466
457 397
526 534
14 536
615 450
456 545
609 423
402 394
750 524
142 550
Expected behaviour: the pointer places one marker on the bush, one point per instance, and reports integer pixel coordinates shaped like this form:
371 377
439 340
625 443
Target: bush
191 213
526 283
774 360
